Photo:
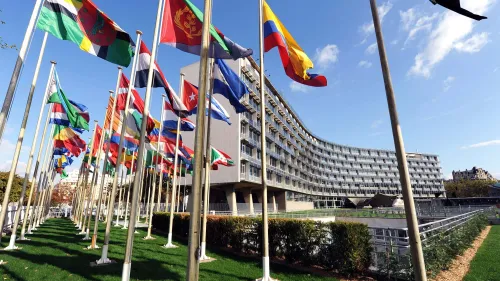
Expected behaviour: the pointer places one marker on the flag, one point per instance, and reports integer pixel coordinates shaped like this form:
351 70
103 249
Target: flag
182 28
454 5
159 80
64 174
63 162
65 137
82 23
109 114
129 143
294 59
220 158
97 141
136 101
64 111
190 99
170 119
228 84
60 151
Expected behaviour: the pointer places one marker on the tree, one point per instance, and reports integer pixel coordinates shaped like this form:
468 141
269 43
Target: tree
17 186
3 44
467 188
63 194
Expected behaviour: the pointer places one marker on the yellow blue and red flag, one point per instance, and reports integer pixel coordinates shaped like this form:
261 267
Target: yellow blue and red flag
294 59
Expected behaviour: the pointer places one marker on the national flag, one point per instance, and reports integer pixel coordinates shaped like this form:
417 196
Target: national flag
109 114
82 23
190 98
159 80
63 162
294 59
170 119
228 84
129 143
136 101
65 137
64 111
220 158
97 141
182 29
170 152
60 151
64 174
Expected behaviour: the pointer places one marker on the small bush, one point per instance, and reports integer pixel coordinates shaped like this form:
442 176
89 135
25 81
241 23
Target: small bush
339 246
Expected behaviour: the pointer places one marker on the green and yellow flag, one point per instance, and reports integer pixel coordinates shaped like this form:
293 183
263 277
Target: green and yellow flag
82 23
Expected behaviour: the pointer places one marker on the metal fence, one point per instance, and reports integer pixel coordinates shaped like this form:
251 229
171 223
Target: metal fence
11 214
396 240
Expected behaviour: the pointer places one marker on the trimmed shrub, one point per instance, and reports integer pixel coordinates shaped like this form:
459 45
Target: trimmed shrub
340 246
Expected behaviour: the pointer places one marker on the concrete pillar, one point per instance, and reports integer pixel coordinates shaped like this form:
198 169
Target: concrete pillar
281 200
231 200
247 195
275 207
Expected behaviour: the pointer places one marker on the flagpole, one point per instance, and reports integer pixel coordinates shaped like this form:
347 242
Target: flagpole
166 192
36 206
44 177
82 191
161 155
12 241
203 256
179 180
147 99
109 216
103 174
265 231
150 222
119 200
184 192
411 217
192 270
88 216
174 176
125 225
19 144
35 172
9 96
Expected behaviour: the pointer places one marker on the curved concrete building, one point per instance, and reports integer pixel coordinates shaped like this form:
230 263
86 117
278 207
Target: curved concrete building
303 169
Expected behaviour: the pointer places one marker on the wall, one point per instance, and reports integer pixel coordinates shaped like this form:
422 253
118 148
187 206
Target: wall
298 206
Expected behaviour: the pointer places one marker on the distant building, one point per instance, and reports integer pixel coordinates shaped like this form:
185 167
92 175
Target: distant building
474 174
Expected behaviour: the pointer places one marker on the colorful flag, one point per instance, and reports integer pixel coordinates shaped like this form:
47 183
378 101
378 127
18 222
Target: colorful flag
67 138
65 112
159 80
82 23
220 158
190 98
294 59
182 28
228 84
136 101
60 151
129 143
109 114
97 141
170 119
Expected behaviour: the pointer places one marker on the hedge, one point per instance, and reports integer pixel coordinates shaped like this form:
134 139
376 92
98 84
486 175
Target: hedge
339 246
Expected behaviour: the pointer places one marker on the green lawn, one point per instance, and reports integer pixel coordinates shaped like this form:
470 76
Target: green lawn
56 253
486 264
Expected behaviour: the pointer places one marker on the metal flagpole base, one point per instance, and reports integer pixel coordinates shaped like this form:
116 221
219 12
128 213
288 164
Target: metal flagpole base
22 238
203 257
126 271
149 237
33 229
92 248
169 244
266 271
82 233
11 248
136 232
102 262
87 237
2 262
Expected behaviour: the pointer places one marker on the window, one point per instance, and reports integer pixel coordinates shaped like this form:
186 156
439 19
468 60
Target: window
278 178
243 168
243 129
258 154
273 162
282 166
269 175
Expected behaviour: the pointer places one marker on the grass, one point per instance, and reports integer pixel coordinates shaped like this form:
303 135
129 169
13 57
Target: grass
484 266
362 213
56 253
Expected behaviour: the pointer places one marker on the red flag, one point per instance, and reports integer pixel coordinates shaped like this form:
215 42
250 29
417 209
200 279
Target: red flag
97 141
190 95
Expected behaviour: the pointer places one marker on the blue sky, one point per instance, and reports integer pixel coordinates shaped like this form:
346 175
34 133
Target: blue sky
445 71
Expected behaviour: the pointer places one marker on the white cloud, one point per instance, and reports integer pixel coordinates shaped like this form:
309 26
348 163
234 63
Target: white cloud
371 49
414 22
482 144
474 44
394 42
6 154
496 69
297 87
377 123
368 28
451 29
327 56
448 177
447 83
365 64
20 169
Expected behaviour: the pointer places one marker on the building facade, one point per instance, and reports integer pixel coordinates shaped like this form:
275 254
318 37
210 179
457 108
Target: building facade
303 169
473 174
